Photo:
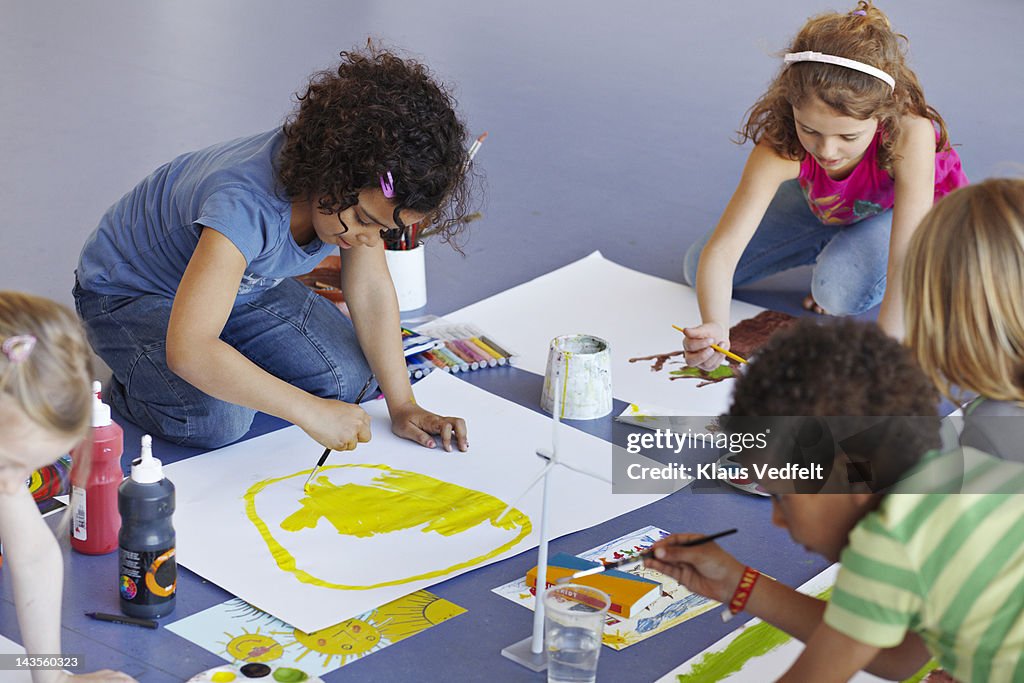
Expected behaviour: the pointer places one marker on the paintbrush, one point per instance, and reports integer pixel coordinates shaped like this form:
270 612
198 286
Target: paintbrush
327 451
646 553
716 347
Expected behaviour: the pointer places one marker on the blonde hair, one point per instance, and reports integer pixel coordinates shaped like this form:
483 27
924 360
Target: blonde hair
963 291
866 36
52 384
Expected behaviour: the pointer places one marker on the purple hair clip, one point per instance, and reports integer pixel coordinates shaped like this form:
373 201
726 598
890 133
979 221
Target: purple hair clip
859 13
18 348
387 185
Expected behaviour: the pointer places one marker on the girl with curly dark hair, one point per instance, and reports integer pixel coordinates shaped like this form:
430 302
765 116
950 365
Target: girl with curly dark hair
186 286
848 158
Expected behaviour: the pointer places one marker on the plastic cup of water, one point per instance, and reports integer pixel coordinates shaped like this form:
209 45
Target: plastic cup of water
574 618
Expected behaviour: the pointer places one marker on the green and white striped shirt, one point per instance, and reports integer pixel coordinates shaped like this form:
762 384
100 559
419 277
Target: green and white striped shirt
947 566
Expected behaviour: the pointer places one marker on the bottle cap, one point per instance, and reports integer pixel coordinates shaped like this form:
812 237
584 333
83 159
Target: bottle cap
100 410
146 469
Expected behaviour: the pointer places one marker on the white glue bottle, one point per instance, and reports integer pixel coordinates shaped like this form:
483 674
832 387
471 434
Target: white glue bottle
149 572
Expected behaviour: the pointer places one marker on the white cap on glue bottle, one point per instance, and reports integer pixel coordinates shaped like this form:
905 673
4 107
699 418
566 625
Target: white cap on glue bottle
147 469
100 410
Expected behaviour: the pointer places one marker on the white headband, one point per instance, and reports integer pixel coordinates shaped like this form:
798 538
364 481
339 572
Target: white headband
840 61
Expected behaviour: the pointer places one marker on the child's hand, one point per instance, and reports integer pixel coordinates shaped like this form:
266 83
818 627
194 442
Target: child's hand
697 345
337 425
704 569
409 421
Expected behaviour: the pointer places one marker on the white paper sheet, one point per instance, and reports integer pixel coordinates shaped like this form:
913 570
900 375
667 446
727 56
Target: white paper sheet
708 666
633 311
218 540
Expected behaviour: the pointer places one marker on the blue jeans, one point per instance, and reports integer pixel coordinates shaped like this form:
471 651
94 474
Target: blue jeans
288 331
849 262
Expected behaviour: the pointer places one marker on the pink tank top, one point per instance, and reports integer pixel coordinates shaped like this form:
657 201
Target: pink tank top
868 190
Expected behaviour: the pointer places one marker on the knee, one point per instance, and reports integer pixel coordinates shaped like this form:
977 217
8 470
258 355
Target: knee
217 424
844 298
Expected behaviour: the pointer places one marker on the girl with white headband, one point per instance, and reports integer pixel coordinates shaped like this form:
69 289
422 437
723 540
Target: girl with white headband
848 158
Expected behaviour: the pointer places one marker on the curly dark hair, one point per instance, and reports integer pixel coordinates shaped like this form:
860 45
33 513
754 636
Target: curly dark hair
377 112
842 368
866 36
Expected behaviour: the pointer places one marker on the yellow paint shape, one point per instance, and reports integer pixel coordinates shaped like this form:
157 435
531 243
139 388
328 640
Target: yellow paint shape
223 677
395 500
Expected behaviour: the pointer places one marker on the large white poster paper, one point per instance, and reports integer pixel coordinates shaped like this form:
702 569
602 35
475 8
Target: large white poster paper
756 651
387 519
631 310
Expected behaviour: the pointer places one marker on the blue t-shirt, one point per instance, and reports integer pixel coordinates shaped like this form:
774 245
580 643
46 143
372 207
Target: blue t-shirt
145 240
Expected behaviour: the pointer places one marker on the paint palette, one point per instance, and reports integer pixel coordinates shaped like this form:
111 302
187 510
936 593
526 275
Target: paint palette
254 670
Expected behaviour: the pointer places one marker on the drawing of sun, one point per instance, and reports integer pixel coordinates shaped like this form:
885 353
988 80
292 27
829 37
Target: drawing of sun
429 527
253 647
417 612
348 641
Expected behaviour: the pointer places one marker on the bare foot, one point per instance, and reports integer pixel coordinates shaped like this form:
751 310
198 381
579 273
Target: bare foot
810 304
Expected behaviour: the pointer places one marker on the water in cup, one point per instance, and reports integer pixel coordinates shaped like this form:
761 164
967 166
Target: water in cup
572 654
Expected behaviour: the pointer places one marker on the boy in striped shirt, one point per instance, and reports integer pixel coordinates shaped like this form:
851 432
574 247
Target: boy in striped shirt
931 544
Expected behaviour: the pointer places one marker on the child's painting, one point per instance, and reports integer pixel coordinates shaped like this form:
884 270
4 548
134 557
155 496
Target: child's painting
676 604
758 652
386 519
745 338
633 311
242 634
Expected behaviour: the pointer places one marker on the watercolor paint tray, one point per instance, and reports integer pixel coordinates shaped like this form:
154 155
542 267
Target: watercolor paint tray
254 671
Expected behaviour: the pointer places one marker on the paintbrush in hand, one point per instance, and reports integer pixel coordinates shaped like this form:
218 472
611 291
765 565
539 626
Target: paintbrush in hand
327 451
641 555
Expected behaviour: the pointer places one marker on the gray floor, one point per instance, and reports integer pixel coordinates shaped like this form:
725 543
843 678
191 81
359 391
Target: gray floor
609 125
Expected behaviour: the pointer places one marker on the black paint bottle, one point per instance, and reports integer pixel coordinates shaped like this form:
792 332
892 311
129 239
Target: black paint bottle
149 573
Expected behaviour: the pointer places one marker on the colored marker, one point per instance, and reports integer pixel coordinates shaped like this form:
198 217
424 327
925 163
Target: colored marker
466 358
476 354
491 352
456 362
492 358
122 619
507 354
429 355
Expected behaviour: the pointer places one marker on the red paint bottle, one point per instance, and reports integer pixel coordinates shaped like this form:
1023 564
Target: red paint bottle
95 475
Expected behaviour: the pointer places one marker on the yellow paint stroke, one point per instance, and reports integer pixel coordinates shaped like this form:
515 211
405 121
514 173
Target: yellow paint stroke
395 500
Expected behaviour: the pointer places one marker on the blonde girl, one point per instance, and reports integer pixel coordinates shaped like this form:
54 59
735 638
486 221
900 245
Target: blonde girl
964 308
848 158
45 403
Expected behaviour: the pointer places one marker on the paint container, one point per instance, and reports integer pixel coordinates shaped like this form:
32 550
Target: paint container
230 673
409 273
95 475
149 572
584 364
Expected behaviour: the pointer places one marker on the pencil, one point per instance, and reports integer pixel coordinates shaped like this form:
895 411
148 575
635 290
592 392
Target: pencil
716 347
122 619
